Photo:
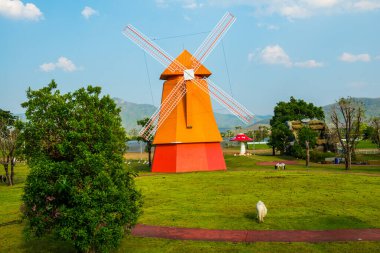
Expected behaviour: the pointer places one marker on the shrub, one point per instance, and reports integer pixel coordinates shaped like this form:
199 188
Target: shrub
318 156
77 188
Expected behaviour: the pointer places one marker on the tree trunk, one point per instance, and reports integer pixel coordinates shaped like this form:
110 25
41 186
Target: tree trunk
13 163
7 173
307 153
149 157
273 151
348 164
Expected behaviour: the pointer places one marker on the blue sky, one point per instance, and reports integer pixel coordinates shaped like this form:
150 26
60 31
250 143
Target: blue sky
317 50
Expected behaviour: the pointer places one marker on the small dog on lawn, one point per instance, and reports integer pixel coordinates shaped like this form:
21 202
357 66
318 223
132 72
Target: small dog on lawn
261 211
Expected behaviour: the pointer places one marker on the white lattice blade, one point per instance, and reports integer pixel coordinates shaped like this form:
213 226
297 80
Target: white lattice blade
214 38
226 101
145 43
226 96
163 111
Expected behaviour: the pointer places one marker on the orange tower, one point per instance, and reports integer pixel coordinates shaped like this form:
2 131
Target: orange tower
189 139
184 129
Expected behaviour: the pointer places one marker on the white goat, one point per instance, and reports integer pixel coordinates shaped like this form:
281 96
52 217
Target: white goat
280 166
261 211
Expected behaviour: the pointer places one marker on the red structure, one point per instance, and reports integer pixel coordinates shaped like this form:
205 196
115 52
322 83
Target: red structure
184 128
242 138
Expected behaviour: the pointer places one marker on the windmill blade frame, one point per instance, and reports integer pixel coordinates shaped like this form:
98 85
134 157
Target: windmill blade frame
168 105
226 100
213 39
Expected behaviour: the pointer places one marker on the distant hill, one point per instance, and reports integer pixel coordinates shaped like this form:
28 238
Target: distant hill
371 105
131 112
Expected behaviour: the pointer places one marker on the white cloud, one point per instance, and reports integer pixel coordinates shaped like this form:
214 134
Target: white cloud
62 63
299 9
87 12
162 3
275 55
309 64
295 11
16 9
268 26
347 57
366 5
322 3
47 67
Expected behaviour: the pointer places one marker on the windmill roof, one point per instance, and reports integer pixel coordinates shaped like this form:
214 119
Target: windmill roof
187 60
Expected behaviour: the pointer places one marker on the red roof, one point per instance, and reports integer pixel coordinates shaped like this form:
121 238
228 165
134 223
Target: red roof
241 137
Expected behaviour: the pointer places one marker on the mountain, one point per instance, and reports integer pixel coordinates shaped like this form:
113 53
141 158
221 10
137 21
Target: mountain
131 112
371 106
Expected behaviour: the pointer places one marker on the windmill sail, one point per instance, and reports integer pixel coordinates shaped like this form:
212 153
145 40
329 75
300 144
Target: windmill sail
177 68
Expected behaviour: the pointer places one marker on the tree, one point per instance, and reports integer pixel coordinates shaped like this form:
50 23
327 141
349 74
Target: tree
9 132
375 136
280 138
295 110
307 138
347 116
263 132
77 189
288 111
149 145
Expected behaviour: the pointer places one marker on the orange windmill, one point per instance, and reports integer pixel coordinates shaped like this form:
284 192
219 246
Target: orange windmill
185 132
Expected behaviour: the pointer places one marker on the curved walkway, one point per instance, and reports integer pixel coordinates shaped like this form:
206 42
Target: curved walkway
257 235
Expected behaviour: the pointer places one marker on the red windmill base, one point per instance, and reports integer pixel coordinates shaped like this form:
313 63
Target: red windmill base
186 157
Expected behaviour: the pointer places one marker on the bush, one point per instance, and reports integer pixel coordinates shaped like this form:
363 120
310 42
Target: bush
297 151
77 188
318 156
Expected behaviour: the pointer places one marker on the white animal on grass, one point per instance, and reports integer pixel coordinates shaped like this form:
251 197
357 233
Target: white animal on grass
261 211
280 166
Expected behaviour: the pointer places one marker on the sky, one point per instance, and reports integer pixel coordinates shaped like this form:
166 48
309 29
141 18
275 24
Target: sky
316 50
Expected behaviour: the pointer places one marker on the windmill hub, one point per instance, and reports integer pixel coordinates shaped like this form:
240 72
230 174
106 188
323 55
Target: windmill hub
188 74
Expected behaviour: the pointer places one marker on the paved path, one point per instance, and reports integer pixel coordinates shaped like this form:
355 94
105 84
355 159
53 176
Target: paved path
257 235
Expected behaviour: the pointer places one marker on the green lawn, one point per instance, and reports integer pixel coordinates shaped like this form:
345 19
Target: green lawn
366 144
321 197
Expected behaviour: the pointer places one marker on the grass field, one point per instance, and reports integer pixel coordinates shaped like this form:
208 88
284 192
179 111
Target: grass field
319 197
366 144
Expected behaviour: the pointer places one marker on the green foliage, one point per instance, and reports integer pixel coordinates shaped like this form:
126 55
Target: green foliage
149 145
375 135
288 111
280 138
307 134
298 151
77 188
295 110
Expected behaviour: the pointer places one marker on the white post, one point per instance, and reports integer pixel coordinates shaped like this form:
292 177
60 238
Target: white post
242 148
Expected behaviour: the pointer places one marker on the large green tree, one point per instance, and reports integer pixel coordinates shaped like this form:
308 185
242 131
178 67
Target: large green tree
77 188
295 109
